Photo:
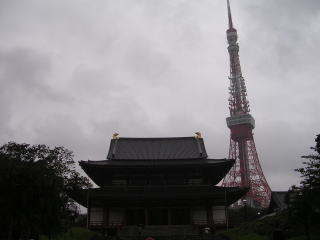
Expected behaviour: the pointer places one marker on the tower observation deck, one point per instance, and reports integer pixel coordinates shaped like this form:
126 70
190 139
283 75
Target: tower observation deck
246 172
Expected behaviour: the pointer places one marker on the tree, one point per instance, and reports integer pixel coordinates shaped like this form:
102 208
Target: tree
304 205
311 176
35 183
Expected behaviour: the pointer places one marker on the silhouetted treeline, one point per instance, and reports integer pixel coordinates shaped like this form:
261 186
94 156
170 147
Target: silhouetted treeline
304 200
35 181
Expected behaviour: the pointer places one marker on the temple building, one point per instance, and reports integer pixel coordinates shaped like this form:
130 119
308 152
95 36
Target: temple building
157 182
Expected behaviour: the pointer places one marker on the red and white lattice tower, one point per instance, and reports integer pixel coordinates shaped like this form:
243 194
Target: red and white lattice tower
246 172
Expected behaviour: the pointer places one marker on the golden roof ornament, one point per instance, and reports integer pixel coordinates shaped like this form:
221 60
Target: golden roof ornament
198 135
115 136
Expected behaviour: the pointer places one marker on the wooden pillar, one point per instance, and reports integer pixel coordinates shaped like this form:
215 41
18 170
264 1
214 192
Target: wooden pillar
209 215
124 221
227 216
88 216
106 216
88 208
146 218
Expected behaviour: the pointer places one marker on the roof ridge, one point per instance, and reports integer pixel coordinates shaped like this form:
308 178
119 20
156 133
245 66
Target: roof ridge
156 138
217 160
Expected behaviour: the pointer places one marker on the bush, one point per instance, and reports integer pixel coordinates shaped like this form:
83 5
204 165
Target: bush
239 234
75 233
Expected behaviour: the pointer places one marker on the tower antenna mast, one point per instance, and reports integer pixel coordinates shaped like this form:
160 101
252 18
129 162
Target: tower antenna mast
229 15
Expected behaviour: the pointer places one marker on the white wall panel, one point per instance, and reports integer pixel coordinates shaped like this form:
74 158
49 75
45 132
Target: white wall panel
116 216
96 216
199 215
219 215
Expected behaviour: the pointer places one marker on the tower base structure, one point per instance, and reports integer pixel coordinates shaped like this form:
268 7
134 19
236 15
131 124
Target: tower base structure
247 171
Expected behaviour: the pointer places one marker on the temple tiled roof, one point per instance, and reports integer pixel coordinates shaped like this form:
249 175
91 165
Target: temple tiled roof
164 194
150 163
157 148
100 171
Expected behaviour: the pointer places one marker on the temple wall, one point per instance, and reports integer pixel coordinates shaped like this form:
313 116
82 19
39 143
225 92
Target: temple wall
198 215
116 216
96 216
219 214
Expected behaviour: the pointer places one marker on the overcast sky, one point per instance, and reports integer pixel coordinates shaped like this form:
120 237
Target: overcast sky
73 72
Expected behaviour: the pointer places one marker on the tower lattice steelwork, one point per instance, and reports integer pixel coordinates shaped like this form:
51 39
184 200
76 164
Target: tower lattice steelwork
246 171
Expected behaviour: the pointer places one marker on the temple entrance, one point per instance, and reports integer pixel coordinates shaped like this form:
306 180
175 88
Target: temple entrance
158 216
180 216
135 216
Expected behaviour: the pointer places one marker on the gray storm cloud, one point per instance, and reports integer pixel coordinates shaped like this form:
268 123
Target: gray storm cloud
73 72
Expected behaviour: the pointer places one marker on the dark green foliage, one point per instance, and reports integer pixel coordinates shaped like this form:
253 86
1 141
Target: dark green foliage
74 233
268 225
35 181
310 185
239 234
244 214
304 200
264 229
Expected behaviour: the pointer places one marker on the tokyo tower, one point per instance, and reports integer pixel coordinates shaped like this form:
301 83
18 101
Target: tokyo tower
246 172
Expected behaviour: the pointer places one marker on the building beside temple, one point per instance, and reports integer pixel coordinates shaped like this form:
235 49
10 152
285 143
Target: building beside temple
279 201
157 183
